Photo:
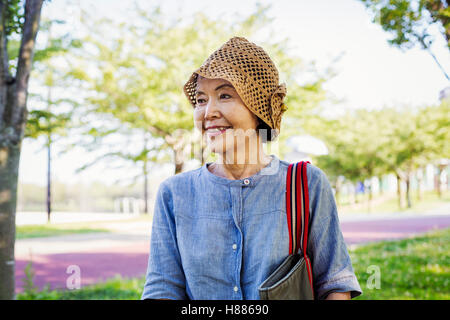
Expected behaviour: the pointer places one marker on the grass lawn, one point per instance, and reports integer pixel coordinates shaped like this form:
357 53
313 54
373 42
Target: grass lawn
50 230
416 268
113 289
57 229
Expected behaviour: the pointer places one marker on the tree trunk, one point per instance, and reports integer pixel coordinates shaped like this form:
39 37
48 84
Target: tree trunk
370 196
437 181
408 193
13 117
145 187
202 160
337 195
179 160
9 169
419 177
49 145
399 191
380 190
49 179
356 193
178 168
352 194
176 143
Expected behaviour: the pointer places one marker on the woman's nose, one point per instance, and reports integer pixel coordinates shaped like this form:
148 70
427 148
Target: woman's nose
211 109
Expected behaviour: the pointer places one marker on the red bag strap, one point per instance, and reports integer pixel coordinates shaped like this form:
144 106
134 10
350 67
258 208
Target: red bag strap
297 206
297 210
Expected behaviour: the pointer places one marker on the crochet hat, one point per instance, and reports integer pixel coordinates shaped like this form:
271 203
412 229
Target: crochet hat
251 72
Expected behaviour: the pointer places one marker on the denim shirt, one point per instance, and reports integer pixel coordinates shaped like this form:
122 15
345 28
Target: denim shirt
216 238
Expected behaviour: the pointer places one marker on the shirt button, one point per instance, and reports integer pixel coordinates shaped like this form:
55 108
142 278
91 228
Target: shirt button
234 246
235 289
246 181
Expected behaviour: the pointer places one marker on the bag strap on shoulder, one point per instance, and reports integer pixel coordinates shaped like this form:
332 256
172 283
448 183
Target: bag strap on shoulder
297 206
297 209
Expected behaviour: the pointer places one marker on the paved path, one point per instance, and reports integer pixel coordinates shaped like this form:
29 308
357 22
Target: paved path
27 218
94 265
98 255
358 232
125 252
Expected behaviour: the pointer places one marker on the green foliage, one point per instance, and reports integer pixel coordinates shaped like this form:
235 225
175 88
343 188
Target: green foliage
28 282
416 268
13 48
14 17
14 20
56 47
409 21
30 291
416 137
364 143
47 121
355 144
43 122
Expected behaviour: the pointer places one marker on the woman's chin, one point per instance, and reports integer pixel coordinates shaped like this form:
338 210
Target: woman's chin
218 149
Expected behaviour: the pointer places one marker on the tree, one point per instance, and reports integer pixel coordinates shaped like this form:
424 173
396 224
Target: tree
355 143
409 22
415 137
16 20
363 144
441 118
141 156
45 121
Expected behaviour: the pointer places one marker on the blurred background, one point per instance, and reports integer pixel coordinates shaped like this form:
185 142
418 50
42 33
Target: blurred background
368 103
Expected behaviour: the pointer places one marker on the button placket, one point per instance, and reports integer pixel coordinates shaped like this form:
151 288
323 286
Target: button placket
237 198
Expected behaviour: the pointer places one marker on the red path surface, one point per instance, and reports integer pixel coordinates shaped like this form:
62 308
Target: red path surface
130 260
356 232
95 265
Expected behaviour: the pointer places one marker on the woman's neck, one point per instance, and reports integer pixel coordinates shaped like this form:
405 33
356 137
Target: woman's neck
236 168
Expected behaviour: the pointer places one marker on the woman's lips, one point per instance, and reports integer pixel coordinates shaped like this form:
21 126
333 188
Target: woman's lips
216 132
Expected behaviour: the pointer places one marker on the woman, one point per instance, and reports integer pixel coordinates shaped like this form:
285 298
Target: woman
219 231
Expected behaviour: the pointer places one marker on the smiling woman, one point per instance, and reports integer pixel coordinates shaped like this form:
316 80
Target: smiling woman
238 102
219 231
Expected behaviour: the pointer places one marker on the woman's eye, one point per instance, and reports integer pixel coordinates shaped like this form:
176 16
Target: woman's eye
201 101
225 96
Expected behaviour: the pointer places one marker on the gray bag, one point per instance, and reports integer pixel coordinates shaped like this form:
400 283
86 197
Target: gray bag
293 280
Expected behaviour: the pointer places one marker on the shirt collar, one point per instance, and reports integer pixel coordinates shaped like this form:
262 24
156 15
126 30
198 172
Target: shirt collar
272 168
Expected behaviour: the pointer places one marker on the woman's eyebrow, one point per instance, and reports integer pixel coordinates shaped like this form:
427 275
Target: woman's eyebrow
224 85
219 87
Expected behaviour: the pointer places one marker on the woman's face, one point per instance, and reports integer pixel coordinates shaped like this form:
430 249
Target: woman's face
222 116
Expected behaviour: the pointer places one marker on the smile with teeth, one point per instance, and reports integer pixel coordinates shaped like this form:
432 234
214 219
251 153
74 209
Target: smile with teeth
217 131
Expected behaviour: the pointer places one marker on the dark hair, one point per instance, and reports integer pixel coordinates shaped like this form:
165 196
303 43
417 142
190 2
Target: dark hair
265 137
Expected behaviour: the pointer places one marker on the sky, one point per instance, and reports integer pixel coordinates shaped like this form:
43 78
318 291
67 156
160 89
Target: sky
370 73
